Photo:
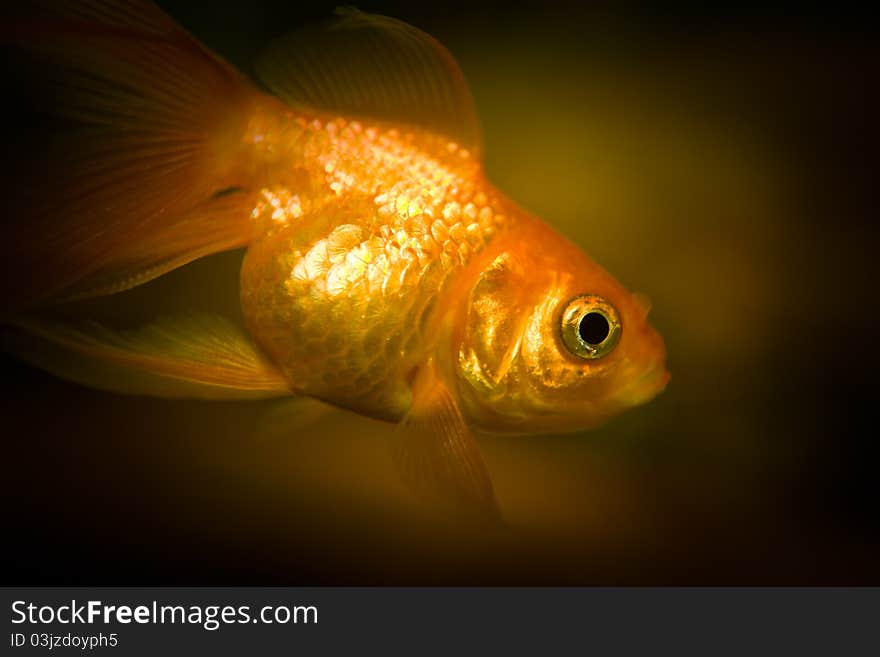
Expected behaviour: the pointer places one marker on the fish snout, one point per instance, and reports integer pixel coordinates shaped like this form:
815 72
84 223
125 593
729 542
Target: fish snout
647 376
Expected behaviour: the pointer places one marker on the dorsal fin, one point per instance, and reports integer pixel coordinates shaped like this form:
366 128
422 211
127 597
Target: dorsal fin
370 66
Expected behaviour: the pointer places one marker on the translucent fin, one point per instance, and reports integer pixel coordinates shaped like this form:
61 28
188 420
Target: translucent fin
373 67
288 417
437 456
211 227
141 14
192 356
146 129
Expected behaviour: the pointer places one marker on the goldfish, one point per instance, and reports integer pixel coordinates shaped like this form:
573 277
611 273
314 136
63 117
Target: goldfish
383 272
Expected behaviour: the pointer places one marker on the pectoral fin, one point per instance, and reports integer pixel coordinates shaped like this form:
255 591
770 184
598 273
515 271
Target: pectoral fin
437 456
192 356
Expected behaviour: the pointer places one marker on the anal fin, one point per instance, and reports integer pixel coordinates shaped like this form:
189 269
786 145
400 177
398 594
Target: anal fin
197 356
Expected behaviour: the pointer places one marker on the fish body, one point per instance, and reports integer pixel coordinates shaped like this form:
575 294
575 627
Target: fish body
368 264
383 273
350 284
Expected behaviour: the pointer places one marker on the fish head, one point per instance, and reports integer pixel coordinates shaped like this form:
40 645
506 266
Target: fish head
550 341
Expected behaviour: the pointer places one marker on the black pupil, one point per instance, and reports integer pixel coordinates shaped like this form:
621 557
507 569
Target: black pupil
593 328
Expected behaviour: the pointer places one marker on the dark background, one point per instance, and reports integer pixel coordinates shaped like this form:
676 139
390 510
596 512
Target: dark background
720 159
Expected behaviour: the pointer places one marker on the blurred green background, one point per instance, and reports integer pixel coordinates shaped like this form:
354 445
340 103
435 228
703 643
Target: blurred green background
718 160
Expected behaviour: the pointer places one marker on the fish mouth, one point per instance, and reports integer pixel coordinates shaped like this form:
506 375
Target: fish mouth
647 385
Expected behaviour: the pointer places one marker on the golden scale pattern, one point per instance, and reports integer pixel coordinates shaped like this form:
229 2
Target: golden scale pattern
356 245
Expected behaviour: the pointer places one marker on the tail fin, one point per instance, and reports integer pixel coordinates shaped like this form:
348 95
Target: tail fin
144 176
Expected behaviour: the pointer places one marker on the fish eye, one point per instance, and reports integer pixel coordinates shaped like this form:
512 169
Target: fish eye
590 327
